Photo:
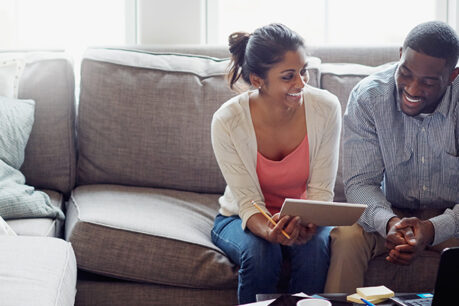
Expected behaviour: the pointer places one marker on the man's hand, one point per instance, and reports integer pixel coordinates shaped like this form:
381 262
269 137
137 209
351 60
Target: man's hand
406 238
393 237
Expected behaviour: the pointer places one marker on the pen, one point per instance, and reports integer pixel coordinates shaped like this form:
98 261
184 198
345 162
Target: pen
367 302
269 218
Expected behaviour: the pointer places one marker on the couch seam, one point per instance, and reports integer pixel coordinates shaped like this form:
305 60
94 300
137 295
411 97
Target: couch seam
156 68
71 128
143 233
54 220
63 273
127 277
213 58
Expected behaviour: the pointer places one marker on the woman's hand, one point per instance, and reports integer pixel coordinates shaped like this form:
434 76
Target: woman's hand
299 233
306 233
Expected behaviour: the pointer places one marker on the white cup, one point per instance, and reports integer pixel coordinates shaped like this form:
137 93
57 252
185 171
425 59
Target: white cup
313 302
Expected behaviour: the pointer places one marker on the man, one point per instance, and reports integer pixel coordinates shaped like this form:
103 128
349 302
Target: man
401 158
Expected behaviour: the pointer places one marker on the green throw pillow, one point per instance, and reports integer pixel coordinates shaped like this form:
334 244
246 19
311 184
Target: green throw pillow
18 200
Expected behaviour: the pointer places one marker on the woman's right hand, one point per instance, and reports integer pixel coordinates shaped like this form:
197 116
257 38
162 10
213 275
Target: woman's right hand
298 233
291 225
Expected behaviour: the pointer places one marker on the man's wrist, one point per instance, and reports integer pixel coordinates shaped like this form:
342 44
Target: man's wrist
391 222
429 231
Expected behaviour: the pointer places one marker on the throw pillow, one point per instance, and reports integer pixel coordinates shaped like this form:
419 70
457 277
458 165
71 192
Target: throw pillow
10 74
18 200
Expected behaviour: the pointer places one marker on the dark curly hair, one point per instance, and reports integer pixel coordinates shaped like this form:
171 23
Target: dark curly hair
435 38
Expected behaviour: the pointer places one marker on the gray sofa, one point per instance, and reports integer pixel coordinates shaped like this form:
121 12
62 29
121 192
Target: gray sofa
134 170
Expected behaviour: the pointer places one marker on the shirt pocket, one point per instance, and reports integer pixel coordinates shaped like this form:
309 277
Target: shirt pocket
450 173
398 167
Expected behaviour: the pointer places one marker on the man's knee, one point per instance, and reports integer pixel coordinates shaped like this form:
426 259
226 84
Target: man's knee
348 237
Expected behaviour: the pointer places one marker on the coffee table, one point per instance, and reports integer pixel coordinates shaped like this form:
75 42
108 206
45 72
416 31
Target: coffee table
337 299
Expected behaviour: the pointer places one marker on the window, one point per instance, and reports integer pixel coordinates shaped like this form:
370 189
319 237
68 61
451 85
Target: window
75 25
61 24
68 25
351 22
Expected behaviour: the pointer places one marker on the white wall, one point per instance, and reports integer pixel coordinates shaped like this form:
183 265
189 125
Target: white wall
171 22
453 14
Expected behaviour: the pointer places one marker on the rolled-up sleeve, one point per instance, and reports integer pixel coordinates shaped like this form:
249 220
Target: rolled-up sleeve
446 225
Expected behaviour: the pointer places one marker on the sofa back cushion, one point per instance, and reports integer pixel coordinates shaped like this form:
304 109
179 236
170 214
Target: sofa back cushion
144 119
50 157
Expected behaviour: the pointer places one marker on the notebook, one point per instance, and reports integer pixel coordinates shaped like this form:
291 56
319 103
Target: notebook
446 286
323 213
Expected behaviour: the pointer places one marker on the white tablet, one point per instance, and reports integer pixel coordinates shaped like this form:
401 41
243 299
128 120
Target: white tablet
323 213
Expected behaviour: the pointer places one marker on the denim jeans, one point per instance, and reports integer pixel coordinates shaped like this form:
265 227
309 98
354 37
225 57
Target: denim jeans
260 261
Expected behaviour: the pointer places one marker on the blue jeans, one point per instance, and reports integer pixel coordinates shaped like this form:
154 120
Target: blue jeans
260 261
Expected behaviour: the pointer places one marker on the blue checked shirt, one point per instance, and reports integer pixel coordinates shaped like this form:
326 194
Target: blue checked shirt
394 160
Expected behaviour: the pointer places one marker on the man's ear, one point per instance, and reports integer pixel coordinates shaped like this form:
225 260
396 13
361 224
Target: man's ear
453 75
256 81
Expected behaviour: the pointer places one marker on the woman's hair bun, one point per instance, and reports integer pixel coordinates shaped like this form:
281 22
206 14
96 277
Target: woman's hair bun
238 42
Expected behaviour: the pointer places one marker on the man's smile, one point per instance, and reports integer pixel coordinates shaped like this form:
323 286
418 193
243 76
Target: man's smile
410 98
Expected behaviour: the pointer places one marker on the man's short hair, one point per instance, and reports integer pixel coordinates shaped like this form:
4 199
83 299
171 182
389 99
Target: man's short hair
435 38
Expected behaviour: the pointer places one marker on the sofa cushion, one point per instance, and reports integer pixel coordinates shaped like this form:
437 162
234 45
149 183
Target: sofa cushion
50 157
110 292
37 271
42 227
419 276
340 79
144 119
147 235
369 55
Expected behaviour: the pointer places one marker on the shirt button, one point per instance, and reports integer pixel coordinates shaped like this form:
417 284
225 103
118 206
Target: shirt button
422 159
424 188
423 129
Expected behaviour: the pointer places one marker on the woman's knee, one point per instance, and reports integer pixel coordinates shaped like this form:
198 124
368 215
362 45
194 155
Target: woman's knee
260 250
320 242
262 261
322 237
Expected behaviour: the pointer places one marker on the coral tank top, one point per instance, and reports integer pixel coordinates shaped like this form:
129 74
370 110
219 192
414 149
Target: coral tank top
286 178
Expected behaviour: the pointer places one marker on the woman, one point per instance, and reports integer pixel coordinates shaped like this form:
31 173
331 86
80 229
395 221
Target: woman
279 140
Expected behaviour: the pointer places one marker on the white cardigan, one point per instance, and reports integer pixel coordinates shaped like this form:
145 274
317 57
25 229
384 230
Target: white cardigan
235 147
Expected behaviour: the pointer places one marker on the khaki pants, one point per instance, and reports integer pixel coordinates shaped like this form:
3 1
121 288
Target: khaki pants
352 248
